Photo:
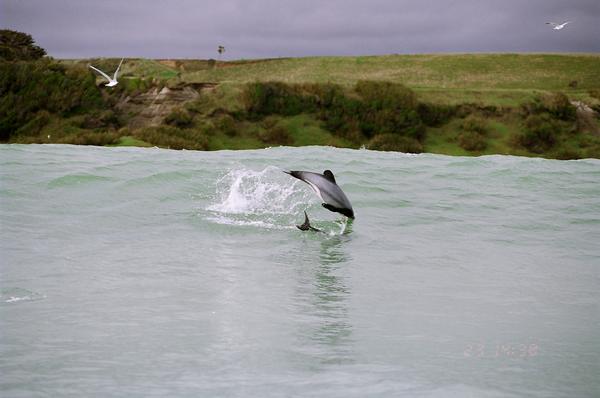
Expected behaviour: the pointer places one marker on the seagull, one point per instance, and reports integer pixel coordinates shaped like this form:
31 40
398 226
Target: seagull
558 26
111 81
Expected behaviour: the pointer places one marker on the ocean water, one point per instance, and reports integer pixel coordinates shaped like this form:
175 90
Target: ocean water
147 272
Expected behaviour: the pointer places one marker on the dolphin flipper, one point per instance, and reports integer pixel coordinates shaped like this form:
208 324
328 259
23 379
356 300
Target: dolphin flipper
346 212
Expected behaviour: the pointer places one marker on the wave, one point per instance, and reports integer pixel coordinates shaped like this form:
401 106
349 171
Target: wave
16 294
76 179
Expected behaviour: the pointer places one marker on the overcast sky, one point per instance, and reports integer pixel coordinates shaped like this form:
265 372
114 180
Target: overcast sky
281 28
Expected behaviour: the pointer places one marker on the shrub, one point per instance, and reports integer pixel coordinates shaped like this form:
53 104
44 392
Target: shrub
99 119
179 117
30 87
394 142
567 154
35 125
276 135
386 95
261 99
173 137
375 107
474 124
227 125
555 104
471 141
558 105
539 135
435 114
269 122
592 152
90 138
381 108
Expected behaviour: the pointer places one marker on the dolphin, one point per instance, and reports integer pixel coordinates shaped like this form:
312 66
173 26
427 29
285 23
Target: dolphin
327 189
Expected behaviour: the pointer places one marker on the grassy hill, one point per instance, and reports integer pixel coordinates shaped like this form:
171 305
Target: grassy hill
477 103
452 78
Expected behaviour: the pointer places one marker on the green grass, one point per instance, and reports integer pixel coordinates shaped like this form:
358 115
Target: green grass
131 141
490 79
305 130
459 71
218 141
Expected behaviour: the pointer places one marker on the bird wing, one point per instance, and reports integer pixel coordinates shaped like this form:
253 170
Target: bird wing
119 67
102 73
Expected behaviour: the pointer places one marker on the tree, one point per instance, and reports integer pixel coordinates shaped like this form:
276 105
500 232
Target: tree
15 46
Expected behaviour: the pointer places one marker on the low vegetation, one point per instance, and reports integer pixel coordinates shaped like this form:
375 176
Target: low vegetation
452 104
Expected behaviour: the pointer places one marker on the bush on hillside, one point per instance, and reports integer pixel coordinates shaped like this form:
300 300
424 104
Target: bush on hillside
394 142
276 135
540 133
373 108
29 87
262 99
173 137
474 124
567 154
98 138
380 108
226 124
35 124
179 117
435 114
555 104
472 141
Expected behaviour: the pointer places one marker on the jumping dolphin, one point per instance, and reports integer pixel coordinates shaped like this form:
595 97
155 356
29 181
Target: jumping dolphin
330 193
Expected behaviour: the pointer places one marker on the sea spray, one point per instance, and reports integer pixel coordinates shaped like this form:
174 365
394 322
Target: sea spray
264 198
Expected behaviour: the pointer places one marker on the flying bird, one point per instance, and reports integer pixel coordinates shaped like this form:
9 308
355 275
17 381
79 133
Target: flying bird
112 81
557 26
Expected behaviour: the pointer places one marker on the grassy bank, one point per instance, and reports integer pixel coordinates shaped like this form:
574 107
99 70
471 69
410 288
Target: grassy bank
467 104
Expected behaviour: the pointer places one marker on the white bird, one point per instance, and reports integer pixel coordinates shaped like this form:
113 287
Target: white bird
557 26
112 81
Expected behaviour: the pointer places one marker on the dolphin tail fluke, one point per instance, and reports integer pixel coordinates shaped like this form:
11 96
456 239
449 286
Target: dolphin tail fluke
306 226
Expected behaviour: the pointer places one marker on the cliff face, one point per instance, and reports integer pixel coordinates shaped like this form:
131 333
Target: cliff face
586 118
150 108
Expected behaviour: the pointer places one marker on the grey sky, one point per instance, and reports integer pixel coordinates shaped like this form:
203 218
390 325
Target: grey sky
277 28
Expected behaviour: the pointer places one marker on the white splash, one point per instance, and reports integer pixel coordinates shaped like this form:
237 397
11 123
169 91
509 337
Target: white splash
266 199
269 191
15 295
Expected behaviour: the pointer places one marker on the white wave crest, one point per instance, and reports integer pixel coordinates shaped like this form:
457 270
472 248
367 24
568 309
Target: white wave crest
14 295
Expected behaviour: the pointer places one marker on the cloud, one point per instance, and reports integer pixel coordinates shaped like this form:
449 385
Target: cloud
272 28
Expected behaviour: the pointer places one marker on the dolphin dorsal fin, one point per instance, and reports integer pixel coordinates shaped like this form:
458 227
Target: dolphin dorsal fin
329 175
